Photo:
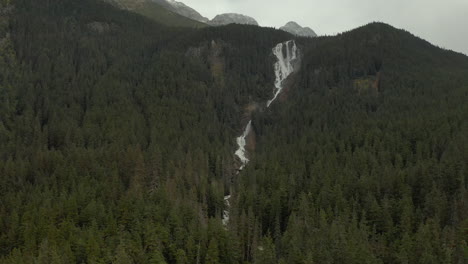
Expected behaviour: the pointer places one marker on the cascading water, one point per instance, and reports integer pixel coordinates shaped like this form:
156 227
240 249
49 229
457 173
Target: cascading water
240 152
286 53
226 212
284 66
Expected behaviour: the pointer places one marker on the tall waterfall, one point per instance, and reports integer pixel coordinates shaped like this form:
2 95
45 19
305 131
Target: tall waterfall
286 53
284 66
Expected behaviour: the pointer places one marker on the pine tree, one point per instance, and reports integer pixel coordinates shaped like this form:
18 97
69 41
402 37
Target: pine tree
212 253
121 256
265 252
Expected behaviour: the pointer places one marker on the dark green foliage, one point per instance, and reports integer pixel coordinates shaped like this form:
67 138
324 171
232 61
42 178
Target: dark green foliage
117 140
374 175
116 134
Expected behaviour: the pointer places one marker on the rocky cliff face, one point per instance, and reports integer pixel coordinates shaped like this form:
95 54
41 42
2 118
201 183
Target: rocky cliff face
232 18
295 29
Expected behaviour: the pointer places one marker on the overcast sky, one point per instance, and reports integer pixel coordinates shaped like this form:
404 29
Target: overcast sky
442 22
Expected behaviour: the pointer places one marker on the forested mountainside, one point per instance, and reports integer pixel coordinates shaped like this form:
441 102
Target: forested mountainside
365 160
117 140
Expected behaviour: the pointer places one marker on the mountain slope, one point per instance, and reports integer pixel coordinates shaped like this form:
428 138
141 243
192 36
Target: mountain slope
118 134
182 9
123 128
159 11
366 153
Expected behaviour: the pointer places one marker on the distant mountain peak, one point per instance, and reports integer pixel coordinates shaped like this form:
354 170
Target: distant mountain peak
232 18
296 29
184 10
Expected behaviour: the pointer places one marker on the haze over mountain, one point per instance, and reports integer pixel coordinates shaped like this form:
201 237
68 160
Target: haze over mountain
137 135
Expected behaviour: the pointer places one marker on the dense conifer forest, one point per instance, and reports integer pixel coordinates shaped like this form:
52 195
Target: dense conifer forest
117 140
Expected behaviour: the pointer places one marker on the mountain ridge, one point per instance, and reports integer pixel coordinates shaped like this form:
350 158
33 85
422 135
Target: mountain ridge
182 9
162 12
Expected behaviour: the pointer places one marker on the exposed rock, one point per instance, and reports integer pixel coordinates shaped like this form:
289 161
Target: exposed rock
295 29
217 62
195 52
100 27
232 18
212 52
6 10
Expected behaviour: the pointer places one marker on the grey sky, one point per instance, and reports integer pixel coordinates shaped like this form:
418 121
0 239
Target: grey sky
442 22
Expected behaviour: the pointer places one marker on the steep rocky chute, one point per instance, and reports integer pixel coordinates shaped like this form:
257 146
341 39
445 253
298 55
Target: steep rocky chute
286 54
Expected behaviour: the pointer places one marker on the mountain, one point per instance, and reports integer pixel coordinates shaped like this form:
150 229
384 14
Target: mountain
182 9
169 13
364 106
123 140
174 13
295 29
232 18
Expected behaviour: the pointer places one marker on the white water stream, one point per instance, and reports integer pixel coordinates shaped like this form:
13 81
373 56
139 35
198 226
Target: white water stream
284 66
286 53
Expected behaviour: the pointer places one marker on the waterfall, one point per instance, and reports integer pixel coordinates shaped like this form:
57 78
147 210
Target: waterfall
241 142
283 67
285 53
